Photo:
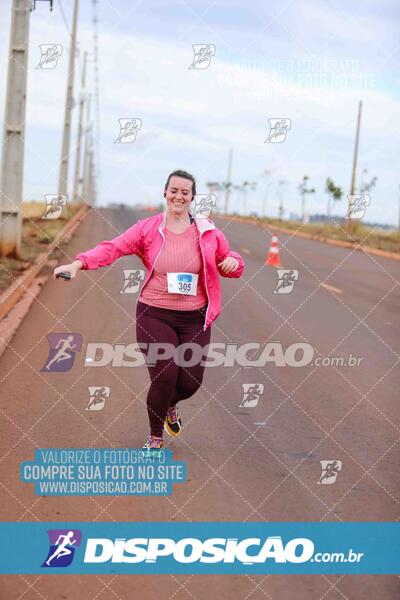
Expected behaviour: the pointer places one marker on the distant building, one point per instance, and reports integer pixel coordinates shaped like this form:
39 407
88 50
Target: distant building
118 206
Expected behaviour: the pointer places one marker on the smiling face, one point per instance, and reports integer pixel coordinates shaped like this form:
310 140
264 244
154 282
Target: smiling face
179 195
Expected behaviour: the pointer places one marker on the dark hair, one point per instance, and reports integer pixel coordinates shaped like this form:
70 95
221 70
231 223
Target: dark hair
185 175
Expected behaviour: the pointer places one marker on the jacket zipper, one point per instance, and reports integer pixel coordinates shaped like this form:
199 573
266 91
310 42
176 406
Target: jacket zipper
205 281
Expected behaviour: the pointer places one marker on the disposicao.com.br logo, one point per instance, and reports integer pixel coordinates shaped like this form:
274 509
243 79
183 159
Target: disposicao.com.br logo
107 550
248 551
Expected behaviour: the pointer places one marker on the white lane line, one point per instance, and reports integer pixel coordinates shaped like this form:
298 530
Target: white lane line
331 288
245 250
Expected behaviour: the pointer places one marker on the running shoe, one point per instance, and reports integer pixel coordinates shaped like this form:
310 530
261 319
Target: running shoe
154 443
173 424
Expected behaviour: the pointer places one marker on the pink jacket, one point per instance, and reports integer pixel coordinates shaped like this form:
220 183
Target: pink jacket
146 239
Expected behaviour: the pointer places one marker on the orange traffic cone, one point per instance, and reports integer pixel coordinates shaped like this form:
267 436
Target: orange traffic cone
273 259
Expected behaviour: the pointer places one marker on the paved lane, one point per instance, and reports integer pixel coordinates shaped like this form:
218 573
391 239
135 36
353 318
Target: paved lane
244 463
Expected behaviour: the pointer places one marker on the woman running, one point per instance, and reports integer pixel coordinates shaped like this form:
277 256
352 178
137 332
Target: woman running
180 296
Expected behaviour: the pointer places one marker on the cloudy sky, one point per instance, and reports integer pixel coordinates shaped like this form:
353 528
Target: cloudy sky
308 61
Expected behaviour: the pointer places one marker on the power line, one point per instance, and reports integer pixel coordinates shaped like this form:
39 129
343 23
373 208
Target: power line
64 18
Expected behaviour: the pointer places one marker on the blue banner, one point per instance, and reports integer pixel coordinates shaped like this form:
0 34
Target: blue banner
200 548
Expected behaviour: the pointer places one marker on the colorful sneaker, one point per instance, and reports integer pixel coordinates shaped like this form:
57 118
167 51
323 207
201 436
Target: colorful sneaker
173 424
154 443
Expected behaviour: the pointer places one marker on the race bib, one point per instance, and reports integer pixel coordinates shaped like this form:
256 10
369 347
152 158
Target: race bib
182 283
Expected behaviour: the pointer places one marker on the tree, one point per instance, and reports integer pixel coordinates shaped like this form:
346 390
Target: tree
366 186
334 192
213 186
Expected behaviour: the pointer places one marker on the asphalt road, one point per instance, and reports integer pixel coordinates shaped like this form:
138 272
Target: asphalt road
245 463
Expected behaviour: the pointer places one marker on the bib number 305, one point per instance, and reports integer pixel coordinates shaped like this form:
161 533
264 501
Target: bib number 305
182 283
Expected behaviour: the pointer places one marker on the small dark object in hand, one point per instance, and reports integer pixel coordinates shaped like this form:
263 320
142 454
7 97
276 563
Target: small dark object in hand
64 275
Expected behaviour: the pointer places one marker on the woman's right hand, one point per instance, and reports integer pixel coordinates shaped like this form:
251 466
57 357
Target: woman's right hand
72 269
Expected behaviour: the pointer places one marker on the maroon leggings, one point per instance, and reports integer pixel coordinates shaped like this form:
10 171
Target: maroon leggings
170 383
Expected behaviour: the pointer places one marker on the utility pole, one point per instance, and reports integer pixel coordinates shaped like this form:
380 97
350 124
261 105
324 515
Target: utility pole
86 157
353 175
267 175
12 164
245 186
398 226
94 187
281 209
228 182
75 193
303 191
63 179
92 178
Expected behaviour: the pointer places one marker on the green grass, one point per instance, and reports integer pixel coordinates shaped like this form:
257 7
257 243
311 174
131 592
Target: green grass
37 234
360 234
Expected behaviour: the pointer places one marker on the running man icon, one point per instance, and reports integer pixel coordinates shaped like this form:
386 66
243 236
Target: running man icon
62 549
62 353
63 348
63 544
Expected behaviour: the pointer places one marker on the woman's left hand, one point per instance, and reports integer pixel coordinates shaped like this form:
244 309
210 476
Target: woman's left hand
228 265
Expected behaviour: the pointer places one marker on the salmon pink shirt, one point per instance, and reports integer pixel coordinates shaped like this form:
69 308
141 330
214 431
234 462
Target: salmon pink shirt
181 253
